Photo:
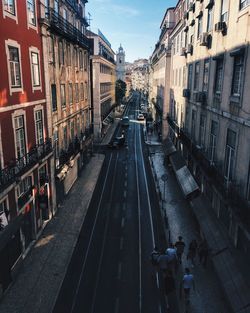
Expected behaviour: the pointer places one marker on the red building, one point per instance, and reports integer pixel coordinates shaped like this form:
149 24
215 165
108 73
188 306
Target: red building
25 147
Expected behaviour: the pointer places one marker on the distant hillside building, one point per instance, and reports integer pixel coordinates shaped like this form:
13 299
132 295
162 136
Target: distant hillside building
120 64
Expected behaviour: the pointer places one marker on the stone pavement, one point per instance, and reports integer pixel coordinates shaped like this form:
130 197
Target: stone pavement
223 262
41 275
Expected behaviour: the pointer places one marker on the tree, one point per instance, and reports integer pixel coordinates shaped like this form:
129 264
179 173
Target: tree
120 91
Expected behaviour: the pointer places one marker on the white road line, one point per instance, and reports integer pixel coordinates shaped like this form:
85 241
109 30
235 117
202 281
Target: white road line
91 236
139 229
123 222
124 206
125 183
126 174
125 194
121 243
119 275
117 304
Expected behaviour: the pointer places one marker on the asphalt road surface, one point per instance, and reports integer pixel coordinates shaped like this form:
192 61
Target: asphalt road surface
110 270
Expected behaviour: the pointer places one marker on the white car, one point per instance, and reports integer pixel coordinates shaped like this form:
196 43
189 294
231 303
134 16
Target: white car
140 117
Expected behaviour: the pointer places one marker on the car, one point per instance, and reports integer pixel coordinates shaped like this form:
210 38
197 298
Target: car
125 121
117 142
140 117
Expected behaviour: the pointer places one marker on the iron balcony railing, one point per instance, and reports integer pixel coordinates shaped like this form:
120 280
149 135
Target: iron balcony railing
66 29
17 167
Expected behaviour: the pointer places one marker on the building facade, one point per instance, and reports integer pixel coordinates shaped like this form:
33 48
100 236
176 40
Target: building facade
103 78
25 141
160 70
66 53
120 64
210 125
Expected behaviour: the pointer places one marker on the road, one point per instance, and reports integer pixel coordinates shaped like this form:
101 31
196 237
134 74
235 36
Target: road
110 270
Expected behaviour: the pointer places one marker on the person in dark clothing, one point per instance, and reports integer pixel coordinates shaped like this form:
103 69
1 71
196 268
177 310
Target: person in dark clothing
203 252
169 282
192 250
179 245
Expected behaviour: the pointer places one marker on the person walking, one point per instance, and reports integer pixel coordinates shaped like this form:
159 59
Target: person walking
163 262
203 252
171 252
192 250
180 246
186 284
154 256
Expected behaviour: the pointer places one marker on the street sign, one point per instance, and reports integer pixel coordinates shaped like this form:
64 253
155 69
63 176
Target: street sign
164 177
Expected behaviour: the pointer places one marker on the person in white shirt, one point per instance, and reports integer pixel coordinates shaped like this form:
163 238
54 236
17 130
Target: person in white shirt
187 283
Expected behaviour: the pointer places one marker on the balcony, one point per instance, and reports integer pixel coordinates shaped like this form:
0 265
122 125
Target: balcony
61 26
19 166
107 57
173 124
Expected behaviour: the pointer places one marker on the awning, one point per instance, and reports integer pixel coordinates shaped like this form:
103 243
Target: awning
10 230
185 179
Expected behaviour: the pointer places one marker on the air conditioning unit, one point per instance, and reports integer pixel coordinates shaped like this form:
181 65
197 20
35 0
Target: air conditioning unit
204 39
220 27
191 7
186 93
183 51
190 48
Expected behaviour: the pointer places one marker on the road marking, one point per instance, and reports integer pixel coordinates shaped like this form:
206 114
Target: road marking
119 271
125 194
125 183
126 174
124 206
123 221
139 228
117 303
91 236
121 243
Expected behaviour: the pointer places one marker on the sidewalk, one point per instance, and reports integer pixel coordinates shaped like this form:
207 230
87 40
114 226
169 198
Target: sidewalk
38 283
224 259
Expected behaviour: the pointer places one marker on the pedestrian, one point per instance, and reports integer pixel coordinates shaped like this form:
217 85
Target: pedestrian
187 283
163 262
180 246
171 252
203 252
154 256
192 250
169 282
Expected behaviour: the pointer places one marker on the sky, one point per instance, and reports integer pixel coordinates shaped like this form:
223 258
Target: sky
135 24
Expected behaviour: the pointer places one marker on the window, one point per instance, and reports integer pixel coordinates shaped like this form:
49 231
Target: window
190 76
75 57
212 142
61 53
39 127
72 130
53 97
14 64
24 186
56 6
77 92
56 147
35 69
70 93
209 19
82 91
237 75
9 6
4 213
31 12
63 95
20 136
85 60
46 8
193 124
80 59
230 154
86 91
69 55
196 75
244 3
206 75
52 50
199 28
219 76
224 10
65 137
202 130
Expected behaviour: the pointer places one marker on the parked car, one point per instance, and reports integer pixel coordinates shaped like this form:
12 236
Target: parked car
140 117
125 121
117 142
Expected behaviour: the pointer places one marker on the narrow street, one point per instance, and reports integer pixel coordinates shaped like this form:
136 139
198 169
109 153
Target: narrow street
111 264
